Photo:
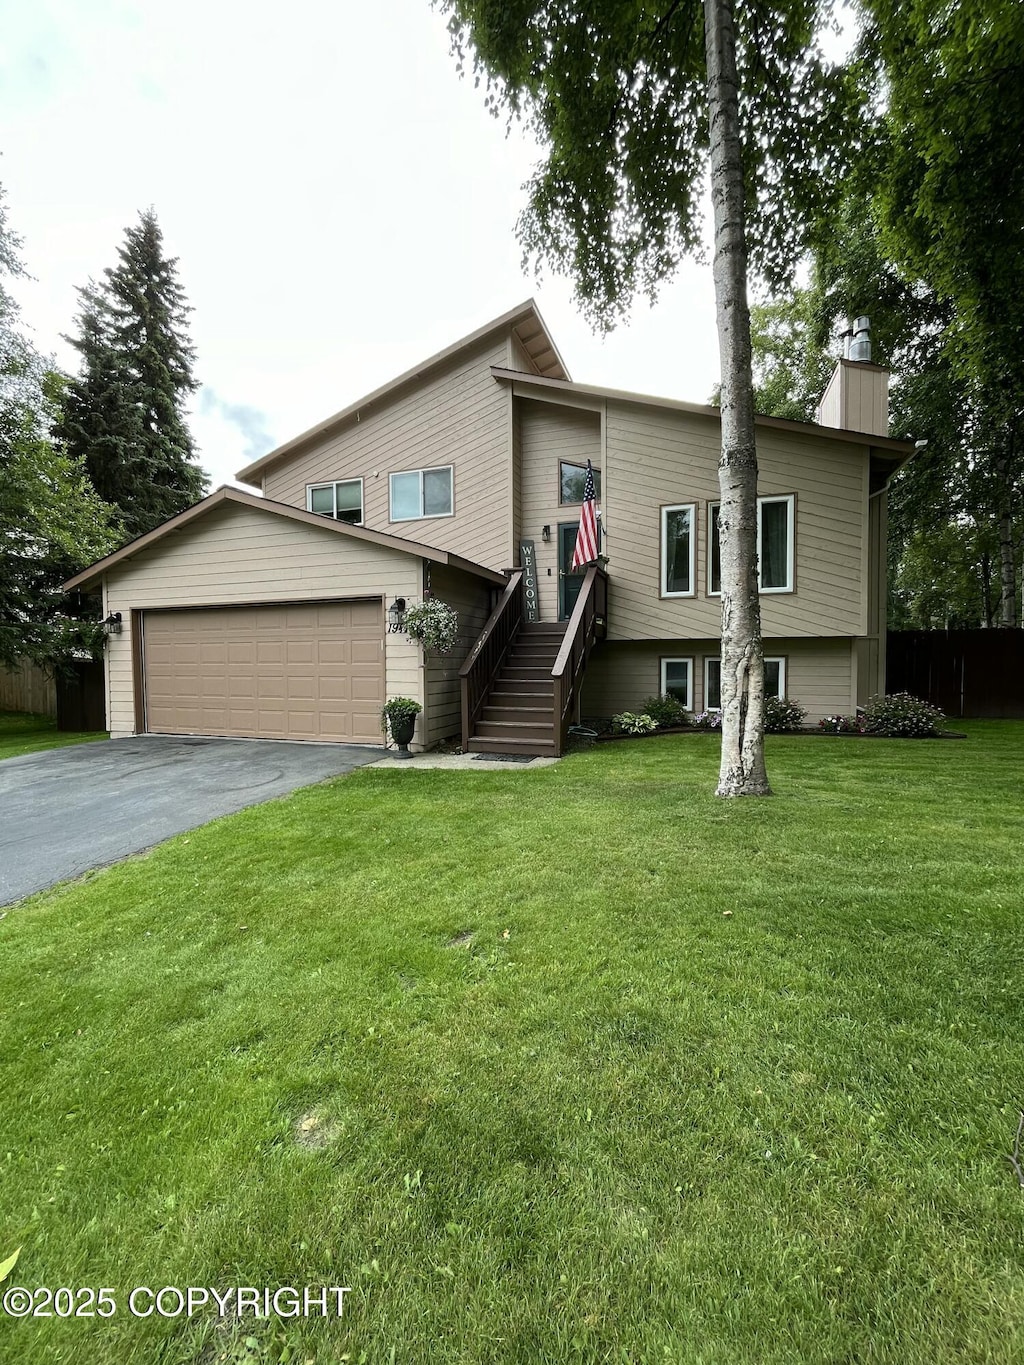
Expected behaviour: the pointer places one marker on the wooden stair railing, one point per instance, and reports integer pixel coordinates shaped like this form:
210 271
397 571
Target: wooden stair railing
587 624
487 655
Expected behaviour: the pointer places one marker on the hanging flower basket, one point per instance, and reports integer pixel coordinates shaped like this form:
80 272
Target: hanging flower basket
434 624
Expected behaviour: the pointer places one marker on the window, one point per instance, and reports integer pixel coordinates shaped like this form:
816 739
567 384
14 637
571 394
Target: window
677 546
677 680
774 681
774 546
571 478
342 501
421 493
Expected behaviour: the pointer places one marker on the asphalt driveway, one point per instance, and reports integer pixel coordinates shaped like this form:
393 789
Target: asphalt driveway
67 810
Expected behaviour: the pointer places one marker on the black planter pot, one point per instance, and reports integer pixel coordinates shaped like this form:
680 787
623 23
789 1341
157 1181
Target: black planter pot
402 730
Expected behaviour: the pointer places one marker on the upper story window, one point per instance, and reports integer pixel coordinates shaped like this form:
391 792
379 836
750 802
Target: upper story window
343 501
421 493
775 545
677 550
571 478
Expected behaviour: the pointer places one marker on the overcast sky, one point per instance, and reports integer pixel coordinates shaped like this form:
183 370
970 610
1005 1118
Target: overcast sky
340 204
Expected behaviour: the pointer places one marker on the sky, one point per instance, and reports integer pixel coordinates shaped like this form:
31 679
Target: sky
340 203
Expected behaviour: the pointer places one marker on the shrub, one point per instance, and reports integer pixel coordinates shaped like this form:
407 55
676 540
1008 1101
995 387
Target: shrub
708 720
627 723
781 714
666 711
901 716
839 725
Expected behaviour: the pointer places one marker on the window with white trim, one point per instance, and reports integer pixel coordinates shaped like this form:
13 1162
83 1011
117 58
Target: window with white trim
677 550
419 493
775 545
677 681
774 681
343 500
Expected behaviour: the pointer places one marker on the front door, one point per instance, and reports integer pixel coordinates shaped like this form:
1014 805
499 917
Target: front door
569 583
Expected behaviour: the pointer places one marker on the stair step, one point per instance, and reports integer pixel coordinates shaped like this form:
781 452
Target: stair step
516 729
519 694
511 682
499 712
527 672
541 748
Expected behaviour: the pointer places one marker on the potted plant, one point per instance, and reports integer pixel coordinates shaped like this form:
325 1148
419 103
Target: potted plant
399 716
433 623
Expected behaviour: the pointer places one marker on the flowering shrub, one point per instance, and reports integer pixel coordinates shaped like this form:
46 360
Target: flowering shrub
434 624
781 715
666 711
839 725
901 716
626 723
708 720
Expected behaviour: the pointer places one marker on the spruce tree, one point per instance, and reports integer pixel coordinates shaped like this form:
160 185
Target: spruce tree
124 412
51 521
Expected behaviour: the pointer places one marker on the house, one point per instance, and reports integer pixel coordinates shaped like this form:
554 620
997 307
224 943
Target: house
277 613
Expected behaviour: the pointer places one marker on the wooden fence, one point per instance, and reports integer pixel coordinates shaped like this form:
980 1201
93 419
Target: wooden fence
965 672
27 688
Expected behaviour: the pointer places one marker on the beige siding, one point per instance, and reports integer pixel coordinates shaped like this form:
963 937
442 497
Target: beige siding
550 433
442 712
857 399
657 457
238 555
620 677
457 416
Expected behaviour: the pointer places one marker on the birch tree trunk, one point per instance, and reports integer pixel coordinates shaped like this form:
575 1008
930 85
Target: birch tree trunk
742 771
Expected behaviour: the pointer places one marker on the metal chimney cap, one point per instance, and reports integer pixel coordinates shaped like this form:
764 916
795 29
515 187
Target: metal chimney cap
860 346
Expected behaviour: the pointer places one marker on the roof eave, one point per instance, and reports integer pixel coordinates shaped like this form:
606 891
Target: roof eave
95 572
517 378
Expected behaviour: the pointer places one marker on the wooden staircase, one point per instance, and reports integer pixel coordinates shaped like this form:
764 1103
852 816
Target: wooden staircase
519 714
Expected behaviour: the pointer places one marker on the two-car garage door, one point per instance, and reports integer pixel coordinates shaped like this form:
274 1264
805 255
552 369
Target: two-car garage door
312 671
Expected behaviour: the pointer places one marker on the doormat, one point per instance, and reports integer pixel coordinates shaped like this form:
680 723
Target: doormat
504 758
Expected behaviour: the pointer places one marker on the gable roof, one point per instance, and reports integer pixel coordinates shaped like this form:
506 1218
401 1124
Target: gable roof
525 321
240 498
896 451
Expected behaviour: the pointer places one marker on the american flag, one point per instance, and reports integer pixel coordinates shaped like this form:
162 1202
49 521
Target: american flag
586 537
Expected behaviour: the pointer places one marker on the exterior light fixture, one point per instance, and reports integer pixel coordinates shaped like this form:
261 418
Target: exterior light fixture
112 623
396 615
545 532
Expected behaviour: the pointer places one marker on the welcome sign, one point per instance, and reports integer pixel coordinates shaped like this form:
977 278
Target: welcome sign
528 559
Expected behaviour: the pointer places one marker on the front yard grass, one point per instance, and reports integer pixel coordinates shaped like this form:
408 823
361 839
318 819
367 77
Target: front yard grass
24 733
576 1065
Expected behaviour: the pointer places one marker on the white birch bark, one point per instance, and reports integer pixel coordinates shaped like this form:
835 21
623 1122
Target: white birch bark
742 771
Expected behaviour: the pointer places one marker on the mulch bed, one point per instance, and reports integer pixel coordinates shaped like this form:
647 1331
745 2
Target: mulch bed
806 731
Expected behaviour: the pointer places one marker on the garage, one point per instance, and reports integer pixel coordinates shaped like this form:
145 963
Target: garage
303 671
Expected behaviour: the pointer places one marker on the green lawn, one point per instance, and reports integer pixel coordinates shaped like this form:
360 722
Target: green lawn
576 1065
22 733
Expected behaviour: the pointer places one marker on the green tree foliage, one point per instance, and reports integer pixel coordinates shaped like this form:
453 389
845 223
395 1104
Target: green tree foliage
124 413
945 505
637 105
947 188
52 522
